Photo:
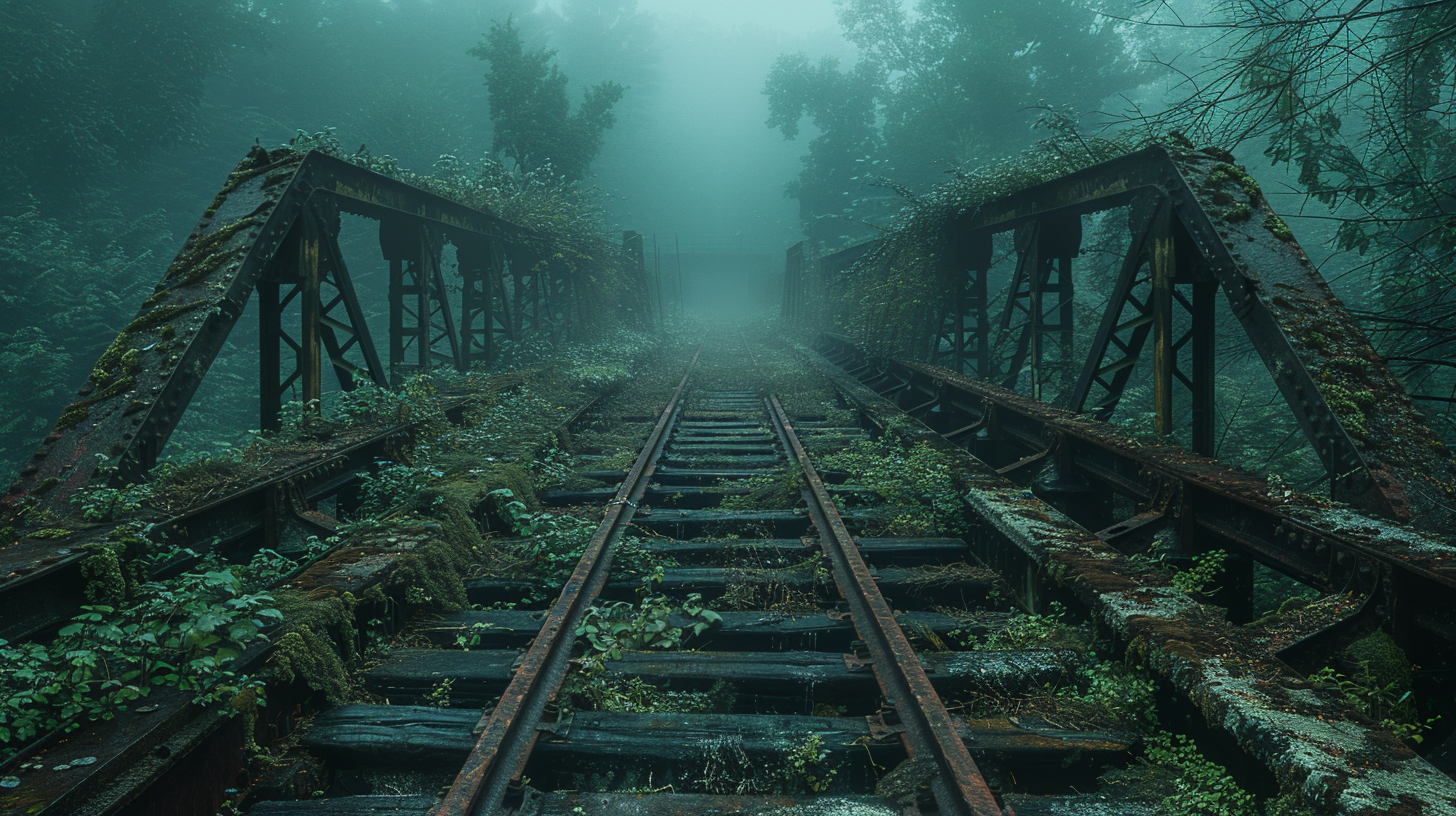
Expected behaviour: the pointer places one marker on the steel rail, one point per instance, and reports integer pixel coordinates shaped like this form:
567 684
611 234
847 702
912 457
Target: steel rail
928 729
508 731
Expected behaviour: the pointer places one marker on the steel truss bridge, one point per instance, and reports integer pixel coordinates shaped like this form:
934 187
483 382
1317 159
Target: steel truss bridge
1194 232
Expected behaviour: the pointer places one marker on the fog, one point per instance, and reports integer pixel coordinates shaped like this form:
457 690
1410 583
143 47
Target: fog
740 129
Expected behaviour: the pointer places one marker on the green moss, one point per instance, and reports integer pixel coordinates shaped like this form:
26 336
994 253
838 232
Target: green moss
1350 406
104 581
165 314
206 254
317 642
257 163
80 410
1357 365
1278 228
1381 662
111 360
1238 213
51 533
434 575
1224 173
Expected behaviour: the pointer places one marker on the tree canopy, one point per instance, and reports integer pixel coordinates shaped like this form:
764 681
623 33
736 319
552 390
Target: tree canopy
955 81
533 121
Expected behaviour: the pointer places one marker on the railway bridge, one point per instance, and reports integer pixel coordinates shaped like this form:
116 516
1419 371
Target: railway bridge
711 607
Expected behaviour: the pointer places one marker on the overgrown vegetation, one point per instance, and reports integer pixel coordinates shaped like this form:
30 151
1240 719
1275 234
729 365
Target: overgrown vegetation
186 633
915 481
945 85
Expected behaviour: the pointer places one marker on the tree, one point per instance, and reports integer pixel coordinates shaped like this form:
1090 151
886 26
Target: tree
529 109
957 81
82 101
1355 99
842 105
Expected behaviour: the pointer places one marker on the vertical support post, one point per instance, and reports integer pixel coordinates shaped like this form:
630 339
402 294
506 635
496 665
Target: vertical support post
1035 265
396 318
405 244
1204 418
270 360
420 265
476 319
1165 356
978 307
310 360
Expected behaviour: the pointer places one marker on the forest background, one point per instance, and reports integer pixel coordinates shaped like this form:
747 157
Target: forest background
746 125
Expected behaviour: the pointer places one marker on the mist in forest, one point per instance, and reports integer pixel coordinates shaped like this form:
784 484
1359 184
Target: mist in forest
724 133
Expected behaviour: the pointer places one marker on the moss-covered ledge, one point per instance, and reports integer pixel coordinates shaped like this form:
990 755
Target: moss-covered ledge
1327 753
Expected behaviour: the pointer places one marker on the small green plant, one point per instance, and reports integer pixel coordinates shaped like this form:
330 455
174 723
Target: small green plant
1025 631
112 503
1385 704
1204 788
396 486
469 636
589 688
617 628
439 694
808 764
268 566
1202 575
1113 693
371 403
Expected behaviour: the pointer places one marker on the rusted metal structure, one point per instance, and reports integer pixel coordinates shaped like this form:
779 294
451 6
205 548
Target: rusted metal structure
509 729
1198 225
929 729
274 229
1248 682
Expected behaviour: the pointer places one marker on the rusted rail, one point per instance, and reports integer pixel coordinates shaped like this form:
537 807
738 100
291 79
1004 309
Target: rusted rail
508 731
1338 761
1197 224
928 727
1410 575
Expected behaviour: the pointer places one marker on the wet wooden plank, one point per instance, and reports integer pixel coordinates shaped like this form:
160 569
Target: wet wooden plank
348 806
738 631
904 585
697 804
902 552
786 682
594 741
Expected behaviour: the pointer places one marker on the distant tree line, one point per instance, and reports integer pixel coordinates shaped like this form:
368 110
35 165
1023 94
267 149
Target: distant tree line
122 117
936 86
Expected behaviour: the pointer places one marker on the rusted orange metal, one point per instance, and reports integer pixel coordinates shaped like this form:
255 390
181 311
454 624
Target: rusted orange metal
929 729
508 731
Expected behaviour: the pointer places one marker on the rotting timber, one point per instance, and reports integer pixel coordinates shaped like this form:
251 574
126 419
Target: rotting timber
700 726
273 229
1067 496
776 705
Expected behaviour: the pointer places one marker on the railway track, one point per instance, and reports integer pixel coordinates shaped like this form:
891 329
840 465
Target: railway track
832 677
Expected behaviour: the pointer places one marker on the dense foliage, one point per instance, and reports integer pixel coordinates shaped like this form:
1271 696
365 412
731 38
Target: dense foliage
1354 99
534 126
949 84
124 117
895 298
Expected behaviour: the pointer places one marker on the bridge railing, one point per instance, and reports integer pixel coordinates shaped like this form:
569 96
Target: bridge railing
273 231
1197 224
